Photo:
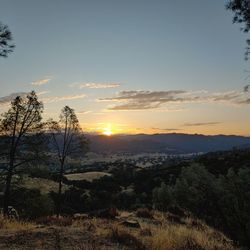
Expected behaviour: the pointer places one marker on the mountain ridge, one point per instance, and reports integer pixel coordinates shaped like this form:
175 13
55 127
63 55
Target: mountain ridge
172 143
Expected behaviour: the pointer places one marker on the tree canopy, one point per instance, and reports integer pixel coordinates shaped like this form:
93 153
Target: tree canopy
241 10
6 45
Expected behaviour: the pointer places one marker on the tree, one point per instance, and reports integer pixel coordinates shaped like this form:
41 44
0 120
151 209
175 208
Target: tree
241 9
163 197
234 200
67 140
21 131
5 40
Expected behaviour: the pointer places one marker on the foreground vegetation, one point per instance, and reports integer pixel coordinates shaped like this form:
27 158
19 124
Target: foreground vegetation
214 188
154 231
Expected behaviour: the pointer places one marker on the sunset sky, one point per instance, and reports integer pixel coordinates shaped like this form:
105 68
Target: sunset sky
130 66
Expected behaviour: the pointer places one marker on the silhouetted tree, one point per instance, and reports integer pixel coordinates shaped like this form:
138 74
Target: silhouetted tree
5 40
241 9
67 140
21 131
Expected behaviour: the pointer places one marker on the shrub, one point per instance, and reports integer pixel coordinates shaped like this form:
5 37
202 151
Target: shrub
30 203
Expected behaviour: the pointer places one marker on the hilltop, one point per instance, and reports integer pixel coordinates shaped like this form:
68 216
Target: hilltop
139 230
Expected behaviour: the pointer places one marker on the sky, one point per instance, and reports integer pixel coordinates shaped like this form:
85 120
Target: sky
134 66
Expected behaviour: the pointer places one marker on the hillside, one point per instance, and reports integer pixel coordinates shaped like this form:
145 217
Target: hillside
142 231
172 143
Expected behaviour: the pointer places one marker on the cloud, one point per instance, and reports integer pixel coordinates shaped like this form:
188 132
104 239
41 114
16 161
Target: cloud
141 100
246 101
83 112
138 100
41 82
200 124
166 129
62 98
42 93
7 99
92 85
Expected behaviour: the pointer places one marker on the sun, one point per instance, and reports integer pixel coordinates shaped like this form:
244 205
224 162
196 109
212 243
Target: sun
107 131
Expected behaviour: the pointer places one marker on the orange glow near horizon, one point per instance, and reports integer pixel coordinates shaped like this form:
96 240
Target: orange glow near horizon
112 129
107 131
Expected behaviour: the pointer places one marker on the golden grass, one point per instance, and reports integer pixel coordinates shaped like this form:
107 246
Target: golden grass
88 176
15 225
99 227
178 237
44 185
155 234
125 237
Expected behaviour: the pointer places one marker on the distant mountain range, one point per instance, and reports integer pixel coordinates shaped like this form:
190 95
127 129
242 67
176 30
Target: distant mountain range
173 143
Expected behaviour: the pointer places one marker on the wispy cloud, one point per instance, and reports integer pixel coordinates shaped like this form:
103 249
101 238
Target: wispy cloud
166 129
52 99
41 82
7 99
141 100
83 112
138 100
42 93
200 124
246 101
93 85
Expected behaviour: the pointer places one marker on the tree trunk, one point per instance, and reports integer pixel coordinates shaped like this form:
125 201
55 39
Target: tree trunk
6 197
59 201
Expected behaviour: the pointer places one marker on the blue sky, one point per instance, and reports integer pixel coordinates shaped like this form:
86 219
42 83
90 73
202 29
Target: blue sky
97 49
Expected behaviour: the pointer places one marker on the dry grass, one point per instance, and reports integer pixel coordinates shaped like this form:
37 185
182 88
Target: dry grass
53 220
157 233
44 185
88 176
145 213
180 237
14 225
124 237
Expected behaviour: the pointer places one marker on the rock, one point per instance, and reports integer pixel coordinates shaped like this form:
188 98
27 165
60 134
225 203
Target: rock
12 213
131 223
79 216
